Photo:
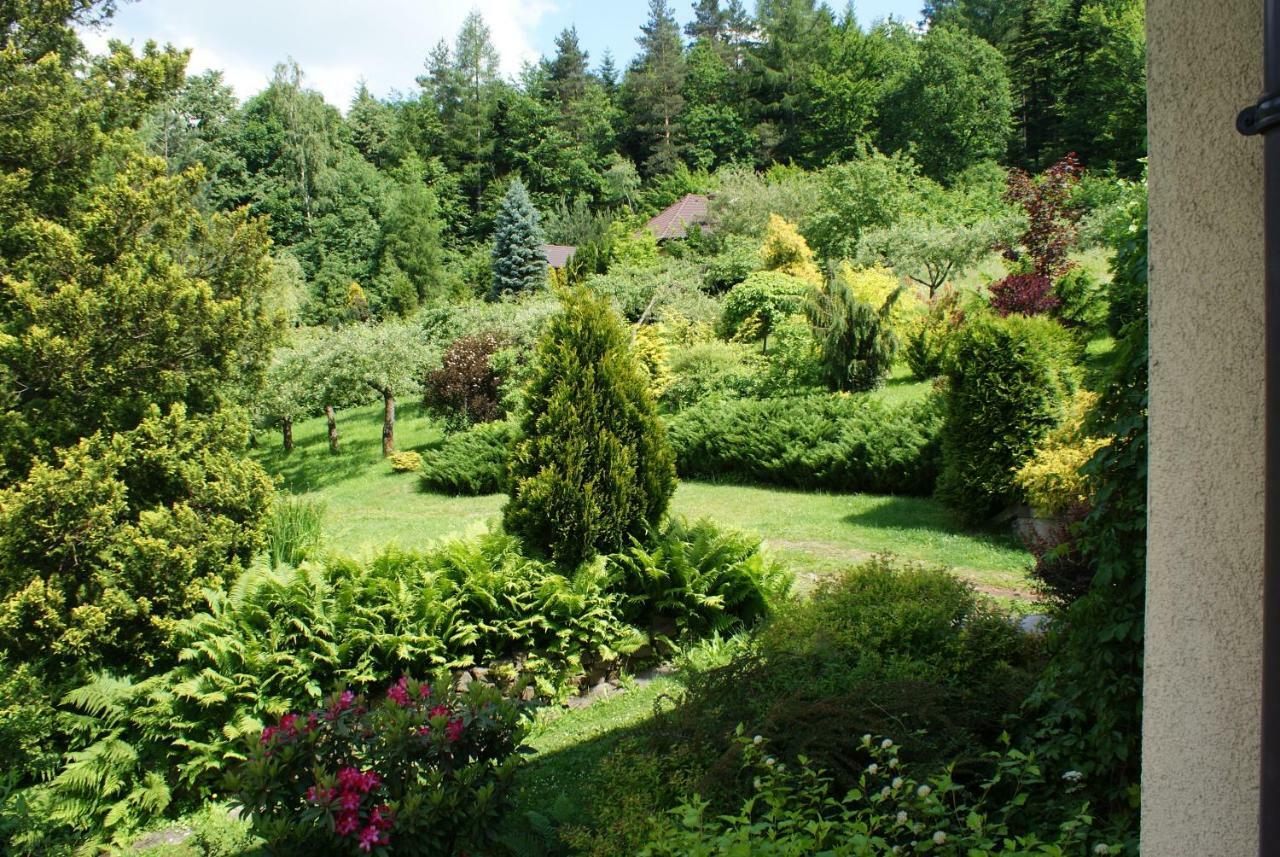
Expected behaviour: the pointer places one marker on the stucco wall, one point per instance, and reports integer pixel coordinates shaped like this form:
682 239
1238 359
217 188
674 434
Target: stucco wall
1200 726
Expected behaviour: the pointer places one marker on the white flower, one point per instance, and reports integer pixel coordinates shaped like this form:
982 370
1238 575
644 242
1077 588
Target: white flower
873 768
886 743
893 763
902 816
1101 848
756 740
1073 776
939 837
866 739
756 784
897 782
924 791
884 792
769 760
897 849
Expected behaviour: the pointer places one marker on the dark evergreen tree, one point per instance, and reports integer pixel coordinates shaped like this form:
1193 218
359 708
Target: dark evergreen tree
608 73
373 128
594 468
653 90
518 263
567 71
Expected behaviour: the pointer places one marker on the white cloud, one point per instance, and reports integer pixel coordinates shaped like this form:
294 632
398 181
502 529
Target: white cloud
334 41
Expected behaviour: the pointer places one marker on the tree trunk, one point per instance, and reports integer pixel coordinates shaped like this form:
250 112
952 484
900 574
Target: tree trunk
333 428
388 422
286 429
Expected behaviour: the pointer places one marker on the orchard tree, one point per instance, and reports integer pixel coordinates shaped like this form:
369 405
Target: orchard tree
518 263
929 251
289 392
388 358
593 468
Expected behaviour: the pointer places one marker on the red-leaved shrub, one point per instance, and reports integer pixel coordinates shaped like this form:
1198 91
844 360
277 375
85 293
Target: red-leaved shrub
1026 294
466 389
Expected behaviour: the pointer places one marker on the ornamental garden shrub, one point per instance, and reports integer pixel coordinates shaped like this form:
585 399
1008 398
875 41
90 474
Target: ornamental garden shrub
593 468
294 530
883 646
1024 294
1082 300
466 388
102 554
764 299
784 250
518 263
471 462
422 771
925 335
1051 479
823 442
852 322
711 369
1009 383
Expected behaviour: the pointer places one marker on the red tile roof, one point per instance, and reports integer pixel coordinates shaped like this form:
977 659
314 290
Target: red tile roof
691 210
558 255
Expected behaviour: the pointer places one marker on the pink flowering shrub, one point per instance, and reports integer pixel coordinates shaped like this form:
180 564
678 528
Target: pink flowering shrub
423 771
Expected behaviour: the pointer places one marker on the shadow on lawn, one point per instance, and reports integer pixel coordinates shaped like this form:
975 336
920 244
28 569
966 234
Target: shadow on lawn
912 513
311 467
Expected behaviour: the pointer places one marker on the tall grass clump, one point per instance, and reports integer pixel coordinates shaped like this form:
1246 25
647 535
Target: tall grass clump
294 531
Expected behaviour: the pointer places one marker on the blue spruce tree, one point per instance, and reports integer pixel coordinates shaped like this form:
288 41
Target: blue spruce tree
518 263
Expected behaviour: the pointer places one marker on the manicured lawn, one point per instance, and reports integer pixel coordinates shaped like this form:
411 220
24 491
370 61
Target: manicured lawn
367 506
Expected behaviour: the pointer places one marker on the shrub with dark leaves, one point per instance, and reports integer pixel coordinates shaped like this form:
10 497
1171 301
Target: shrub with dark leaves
1061 569
466 389
1025 294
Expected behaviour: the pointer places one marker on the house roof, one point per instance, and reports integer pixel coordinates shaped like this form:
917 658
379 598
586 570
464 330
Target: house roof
674 222
558 255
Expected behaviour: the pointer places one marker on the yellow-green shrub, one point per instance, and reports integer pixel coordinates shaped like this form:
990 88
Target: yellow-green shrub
1051 479
406 462
785 251
875 286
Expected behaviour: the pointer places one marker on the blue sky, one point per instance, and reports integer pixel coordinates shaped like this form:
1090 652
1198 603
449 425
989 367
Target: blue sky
337 42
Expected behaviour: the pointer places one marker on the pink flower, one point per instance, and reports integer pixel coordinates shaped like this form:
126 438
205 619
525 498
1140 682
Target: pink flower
350 800
288 724
454 730
268 734
399 692
424 690
348 823
440 711
312 722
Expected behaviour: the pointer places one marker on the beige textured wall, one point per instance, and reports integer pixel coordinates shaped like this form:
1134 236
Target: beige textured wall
1201 689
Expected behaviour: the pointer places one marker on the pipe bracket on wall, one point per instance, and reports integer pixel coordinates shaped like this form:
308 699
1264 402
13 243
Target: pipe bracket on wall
1261 117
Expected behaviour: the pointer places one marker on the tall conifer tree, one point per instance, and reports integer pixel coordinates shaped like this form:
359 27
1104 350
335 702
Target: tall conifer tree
518 263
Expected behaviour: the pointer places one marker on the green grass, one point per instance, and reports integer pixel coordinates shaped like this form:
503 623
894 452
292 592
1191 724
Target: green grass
367 506
902 387
992 268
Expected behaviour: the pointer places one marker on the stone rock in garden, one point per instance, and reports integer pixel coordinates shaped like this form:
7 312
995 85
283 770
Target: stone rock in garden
462 681
528 694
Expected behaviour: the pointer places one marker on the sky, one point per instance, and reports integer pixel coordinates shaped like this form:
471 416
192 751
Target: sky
384 42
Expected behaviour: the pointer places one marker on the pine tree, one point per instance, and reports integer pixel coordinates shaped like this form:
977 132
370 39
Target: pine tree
594 467
608 73
567 72
654 87
518 263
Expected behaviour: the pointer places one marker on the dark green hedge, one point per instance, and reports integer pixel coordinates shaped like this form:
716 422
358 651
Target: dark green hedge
825 442
471 462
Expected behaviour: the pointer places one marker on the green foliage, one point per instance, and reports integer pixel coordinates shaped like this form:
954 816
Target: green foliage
955 108
136 298
762 300
1089 706
869 193
423 771
1128 291
711 369
802 811
832 443
877 647
925 335
853 327
1009 384
471 462
26 724
735 261
102 554
1082 301
293 531
698 578
593 467
518 263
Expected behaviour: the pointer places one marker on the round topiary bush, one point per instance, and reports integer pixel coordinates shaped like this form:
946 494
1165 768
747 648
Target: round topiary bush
593 467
